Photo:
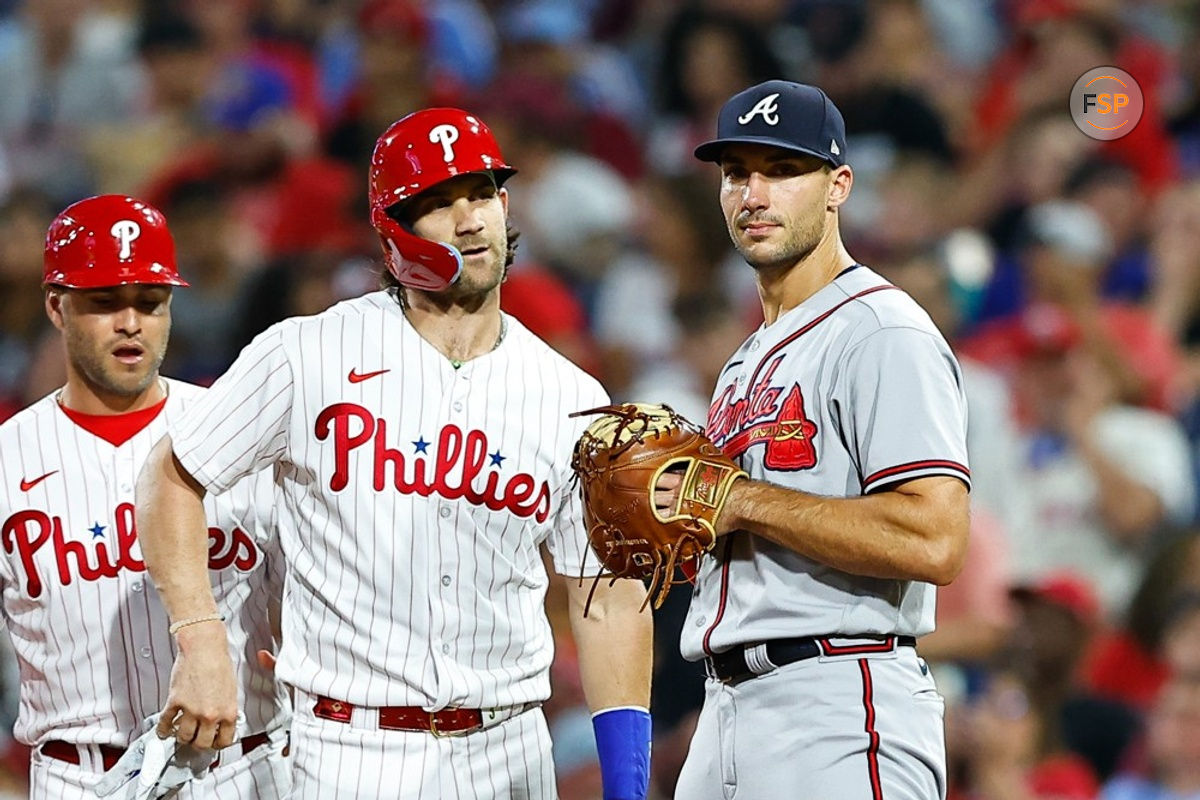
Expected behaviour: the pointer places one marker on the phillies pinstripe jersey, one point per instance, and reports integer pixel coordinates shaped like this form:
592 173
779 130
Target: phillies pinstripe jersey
416 498
86 624
850 392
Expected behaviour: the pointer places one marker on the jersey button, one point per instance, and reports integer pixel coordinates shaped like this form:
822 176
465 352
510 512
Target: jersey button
700 622
145 652
446 649
753 346
445 580
458 405
445 512
137 586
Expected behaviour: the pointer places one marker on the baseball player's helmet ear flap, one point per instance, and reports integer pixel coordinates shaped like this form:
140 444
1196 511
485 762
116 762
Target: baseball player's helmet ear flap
413 261
109 240
414 154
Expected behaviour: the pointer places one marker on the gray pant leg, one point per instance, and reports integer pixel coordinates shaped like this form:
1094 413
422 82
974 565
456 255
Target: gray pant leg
708 772
841 728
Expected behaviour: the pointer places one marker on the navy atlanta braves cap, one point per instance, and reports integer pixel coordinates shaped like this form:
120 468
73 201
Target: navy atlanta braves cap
794 116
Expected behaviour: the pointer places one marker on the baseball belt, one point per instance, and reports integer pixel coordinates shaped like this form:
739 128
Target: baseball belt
78 754
446 722
752 660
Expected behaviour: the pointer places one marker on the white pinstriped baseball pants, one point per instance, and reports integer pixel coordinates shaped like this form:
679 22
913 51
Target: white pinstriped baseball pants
340 761
262 774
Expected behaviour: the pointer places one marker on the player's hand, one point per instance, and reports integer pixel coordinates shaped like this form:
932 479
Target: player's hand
666 492
666 495
201 708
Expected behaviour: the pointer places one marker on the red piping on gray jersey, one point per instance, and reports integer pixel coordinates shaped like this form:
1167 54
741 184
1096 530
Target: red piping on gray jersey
820 318
725 558
830 649
729 541
913 466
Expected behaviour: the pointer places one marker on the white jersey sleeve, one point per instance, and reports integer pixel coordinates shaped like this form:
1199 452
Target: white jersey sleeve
568 542
902 408
240 425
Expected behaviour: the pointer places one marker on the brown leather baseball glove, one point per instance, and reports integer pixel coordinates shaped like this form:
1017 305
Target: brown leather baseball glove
618 461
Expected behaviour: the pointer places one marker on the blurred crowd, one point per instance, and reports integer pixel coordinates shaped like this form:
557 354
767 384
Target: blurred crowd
1065 271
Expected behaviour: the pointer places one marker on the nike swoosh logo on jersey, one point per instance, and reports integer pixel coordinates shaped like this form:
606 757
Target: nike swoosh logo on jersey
27 485
359 377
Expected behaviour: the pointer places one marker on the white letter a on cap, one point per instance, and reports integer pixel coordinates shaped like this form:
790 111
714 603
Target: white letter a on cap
767 107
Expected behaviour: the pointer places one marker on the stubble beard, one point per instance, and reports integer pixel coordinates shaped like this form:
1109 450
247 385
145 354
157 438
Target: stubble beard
476 284
91 363
799 244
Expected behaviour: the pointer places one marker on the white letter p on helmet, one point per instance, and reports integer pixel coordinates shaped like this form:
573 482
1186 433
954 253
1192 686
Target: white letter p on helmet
125 231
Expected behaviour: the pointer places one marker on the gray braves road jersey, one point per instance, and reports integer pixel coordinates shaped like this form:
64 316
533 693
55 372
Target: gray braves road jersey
844 395
86 623
416 498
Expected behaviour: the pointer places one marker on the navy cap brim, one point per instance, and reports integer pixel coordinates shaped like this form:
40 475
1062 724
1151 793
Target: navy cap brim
711 150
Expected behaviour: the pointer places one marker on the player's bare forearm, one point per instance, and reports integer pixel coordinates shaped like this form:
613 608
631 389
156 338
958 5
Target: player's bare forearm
615 631
201 706
916 531
174 535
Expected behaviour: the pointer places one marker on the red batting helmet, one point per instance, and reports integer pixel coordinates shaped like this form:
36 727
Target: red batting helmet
109 240
415 153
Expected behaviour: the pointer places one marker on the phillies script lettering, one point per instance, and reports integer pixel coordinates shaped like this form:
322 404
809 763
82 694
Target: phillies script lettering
351 426
25 533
